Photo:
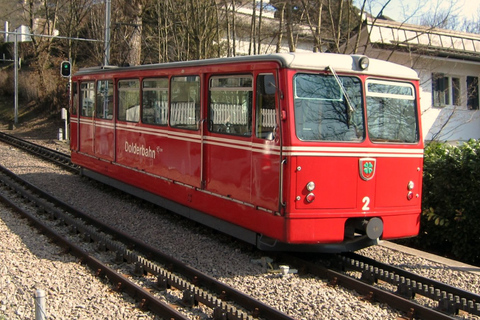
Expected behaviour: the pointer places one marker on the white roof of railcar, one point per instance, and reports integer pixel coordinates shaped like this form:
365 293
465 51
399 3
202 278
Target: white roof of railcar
304 60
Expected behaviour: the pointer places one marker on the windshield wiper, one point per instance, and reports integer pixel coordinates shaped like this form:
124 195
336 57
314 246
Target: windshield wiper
342 88
351 109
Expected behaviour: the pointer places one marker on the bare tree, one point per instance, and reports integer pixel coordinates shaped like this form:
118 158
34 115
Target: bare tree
289 25
281 18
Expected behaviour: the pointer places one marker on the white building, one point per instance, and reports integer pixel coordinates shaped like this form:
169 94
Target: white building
448 64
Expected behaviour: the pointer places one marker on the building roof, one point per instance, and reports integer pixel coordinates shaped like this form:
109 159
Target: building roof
424 39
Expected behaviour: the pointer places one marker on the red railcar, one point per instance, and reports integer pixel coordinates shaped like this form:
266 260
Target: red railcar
306 152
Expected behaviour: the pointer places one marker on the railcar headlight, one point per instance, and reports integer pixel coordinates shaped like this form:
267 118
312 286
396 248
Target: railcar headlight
363 63
410 185
311 186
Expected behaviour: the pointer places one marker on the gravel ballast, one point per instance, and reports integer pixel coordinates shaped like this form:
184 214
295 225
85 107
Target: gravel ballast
29 262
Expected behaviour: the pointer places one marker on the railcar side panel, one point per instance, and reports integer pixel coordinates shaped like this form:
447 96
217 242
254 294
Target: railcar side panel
228 167
315 230
183 157
104 139
175 156
74 128
266 166
196 199
87 135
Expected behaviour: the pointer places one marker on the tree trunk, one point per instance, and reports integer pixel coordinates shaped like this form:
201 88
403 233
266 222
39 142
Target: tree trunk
280 28
291 42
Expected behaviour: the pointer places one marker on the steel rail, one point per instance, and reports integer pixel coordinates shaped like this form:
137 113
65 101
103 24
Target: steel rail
450 299
59 158
370 292
192 293
102 270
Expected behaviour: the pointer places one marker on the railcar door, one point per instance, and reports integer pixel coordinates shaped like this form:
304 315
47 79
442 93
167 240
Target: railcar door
228 138
241 154
74 117
266 157
104 126
86 112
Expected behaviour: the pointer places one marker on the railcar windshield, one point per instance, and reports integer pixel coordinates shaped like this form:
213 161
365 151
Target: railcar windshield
323 114
391 112
321 108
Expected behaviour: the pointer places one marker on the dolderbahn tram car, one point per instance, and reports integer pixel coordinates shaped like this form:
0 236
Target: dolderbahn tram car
303 152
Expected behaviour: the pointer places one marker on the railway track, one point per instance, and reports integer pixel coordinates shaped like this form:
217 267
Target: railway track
450 300
156 270
445 301
61 159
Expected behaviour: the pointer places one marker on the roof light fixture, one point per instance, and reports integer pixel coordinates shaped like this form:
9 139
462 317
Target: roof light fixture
363 63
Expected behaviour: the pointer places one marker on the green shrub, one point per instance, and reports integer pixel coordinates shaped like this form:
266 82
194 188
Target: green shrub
450 221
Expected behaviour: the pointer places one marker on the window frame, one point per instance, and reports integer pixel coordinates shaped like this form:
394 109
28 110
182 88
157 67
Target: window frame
156 89
195 126
340 99
83 97
228 130
110 104
386 95
450 95
260 129
119 100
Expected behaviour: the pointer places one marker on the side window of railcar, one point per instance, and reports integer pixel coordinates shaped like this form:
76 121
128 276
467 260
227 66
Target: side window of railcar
265 106
87 98
129 100
230 108
185 102
104 106
155 101
74 98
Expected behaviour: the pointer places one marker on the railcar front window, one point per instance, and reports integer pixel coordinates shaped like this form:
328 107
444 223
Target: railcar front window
321 110
391 112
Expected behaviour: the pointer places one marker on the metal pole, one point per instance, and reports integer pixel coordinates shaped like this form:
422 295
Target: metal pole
40 313
15 49
108 23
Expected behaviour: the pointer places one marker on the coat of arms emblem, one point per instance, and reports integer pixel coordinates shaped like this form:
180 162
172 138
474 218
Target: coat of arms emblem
367 168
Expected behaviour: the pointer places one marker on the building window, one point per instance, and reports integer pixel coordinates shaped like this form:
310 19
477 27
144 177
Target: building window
472 93
445 90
